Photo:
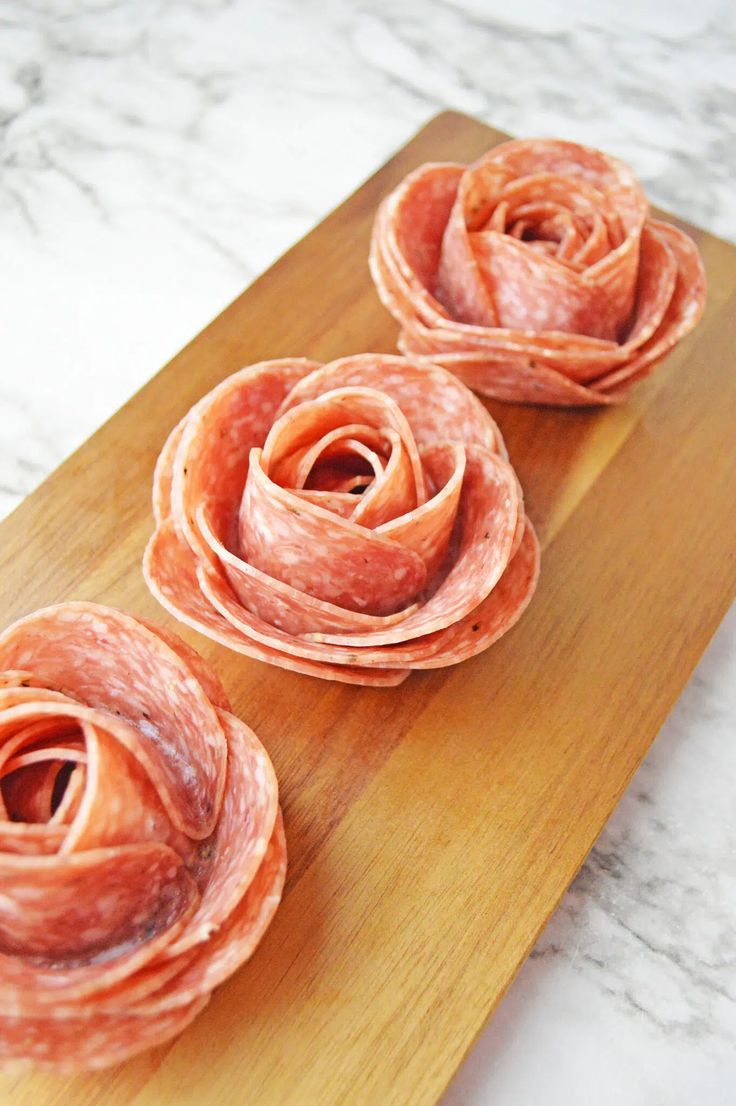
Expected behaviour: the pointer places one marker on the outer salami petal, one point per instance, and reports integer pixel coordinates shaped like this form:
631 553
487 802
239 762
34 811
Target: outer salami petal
682 313
416 215
87 910
236 940
504 378
79 648
90 1040
492 618
211 461
171 574
240 841
164 474
321 554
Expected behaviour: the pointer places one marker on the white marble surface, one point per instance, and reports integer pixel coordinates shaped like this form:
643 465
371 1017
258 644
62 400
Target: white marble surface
154 156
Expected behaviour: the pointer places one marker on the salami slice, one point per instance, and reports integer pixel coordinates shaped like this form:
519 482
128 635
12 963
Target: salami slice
373 510
142 851
536 274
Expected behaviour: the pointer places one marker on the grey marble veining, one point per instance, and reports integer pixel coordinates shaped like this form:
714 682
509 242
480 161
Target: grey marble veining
630 994
155 155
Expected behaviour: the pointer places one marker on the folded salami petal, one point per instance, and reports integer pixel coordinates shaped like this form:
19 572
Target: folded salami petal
534 291
30 839
281 604
436 406
488 515
80 912
211 461
119 803
87 1039
77 648
231 858
507 379
427 529
492 618
535 273
111 891
170 570
163 474
661 330
322 554
418 214
460 283
237 938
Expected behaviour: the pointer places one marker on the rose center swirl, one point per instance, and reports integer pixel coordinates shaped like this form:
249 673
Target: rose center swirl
341 502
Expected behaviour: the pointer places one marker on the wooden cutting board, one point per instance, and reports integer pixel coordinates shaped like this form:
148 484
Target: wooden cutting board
433 827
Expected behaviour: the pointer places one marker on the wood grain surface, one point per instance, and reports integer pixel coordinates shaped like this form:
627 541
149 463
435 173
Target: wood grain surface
432 827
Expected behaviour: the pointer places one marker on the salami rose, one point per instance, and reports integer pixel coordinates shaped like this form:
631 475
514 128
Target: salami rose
351 521
535 274
142 851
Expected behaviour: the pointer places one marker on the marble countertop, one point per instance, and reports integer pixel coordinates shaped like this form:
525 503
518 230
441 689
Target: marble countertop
155 156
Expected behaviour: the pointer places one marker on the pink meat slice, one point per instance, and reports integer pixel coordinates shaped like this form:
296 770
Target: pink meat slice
323 554
210 464
493 617
280 603
499 376
69 925
238 845
171 573
78 649
87 1038
489 512
459 282
236 939
435 405
427 529
163 474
